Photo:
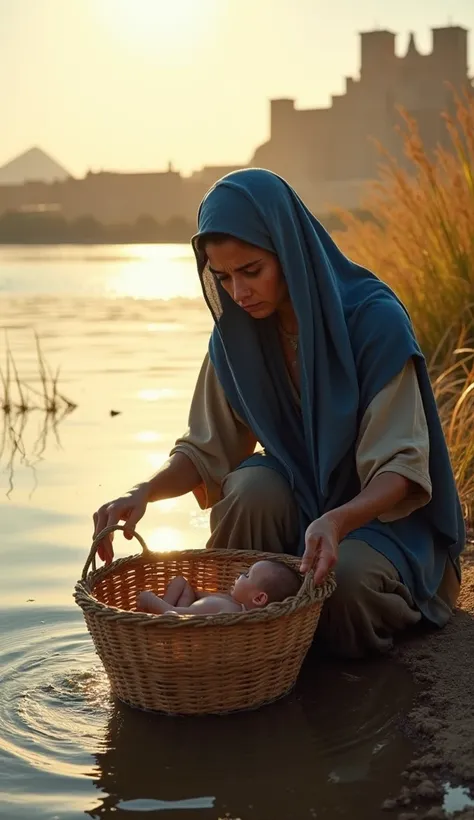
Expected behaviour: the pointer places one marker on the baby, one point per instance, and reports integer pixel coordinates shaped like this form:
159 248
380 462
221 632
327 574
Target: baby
264 583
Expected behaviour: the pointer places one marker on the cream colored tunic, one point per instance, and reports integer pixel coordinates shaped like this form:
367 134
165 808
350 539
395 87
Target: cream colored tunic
393 437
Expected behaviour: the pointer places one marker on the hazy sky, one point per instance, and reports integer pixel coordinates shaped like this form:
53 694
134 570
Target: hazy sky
132 84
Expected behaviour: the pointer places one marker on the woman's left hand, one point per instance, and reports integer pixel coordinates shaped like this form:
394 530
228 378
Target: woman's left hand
322 542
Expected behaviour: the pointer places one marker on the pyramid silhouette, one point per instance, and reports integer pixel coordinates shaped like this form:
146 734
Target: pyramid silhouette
33 165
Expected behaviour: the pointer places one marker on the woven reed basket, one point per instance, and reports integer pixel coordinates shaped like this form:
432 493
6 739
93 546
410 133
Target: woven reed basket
195 664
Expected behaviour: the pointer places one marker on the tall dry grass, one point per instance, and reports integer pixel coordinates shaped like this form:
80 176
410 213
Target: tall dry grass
420 240
452 376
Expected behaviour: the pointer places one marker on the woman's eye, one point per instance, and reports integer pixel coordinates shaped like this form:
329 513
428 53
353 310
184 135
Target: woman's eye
253 273
223 278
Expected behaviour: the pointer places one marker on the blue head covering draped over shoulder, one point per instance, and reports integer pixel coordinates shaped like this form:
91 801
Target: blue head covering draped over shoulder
354 337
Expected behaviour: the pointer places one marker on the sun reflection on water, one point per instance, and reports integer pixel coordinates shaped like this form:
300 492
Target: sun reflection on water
156 459
167 504
164 327
147 436
152 394
166 539
156 272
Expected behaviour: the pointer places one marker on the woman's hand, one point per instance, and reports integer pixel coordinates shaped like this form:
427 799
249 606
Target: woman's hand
322 541
130 508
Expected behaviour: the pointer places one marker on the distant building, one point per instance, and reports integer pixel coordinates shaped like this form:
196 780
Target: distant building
113 197
330 151
109 197
209 174
328 154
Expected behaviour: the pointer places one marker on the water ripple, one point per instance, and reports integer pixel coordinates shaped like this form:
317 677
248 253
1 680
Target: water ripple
68 748
55 698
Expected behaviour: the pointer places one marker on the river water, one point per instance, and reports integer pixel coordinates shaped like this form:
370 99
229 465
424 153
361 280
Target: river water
128 328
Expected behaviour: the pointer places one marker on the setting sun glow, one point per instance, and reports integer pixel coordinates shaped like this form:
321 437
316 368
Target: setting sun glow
164 24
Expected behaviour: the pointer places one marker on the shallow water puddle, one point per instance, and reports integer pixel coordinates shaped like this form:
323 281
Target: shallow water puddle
456 798
167 805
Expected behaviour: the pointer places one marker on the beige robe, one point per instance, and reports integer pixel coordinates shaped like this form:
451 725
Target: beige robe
393 437
255 509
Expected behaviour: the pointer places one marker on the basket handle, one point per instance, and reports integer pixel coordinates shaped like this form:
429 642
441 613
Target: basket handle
307 583
98 539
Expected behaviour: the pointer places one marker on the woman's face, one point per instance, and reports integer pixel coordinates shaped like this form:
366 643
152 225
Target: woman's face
251 276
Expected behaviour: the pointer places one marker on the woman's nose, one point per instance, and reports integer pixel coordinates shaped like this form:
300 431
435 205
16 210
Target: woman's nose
241 291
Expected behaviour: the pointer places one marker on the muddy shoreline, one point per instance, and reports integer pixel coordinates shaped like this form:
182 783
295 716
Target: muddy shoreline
442 720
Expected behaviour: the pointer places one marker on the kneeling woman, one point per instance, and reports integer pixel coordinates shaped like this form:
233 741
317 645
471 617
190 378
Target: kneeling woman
314 359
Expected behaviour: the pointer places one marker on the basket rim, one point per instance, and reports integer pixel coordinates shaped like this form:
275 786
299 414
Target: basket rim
309 595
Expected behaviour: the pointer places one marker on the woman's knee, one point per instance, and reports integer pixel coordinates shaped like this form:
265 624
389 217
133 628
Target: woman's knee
257 511
360 570
370 603
260 490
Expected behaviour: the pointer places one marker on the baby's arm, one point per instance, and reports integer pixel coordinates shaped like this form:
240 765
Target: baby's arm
149 602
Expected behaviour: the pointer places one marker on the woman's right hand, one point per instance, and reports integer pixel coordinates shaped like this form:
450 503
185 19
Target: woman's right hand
130 508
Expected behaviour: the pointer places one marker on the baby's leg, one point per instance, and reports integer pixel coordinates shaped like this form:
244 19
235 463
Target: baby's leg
147 601
179 592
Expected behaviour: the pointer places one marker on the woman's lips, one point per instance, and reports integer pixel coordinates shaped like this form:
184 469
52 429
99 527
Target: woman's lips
251 308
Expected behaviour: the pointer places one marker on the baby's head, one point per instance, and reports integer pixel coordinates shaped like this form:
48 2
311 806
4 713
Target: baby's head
264 583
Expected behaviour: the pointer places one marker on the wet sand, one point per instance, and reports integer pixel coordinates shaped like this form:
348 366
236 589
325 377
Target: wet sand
442 720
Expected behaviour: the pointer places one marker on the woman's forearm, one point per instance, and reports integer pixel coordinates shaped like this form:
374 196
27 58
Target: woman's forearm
383 493
176 477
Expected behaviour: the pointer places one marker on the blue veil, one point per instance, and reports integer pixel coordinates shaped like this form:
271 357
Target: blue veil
354 337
